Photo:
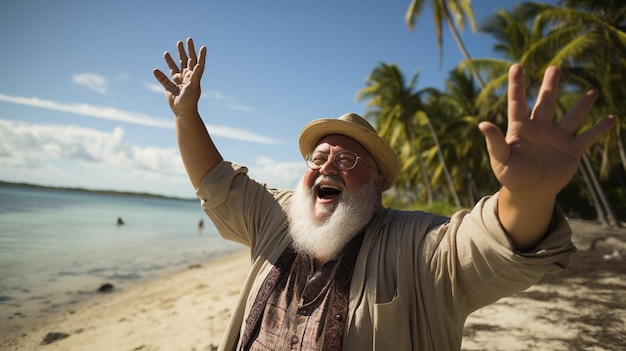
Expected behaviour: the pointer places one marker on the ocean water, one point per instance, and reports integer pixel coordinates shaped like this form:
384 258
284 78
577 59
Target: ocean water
57 247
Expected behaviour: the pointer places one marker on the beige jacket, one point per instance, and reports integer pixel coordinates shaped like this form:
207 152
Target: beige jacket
417 277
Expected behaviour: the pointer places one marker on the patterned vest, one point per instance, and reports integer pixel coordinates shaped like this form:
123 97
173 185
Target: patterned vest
334 304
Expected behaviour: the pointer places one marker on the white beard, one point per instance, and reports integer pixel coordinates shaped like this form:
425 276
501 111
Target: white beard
325 240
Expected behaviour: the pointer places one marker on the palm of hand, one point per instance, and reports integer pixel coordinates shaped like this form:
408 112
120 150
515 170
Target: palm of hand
542 157
183 90
539 155
184 95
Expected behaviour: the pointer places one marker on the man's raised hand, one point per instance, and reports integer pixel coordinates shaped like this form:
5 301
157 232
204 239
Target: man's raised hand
182 91
539 155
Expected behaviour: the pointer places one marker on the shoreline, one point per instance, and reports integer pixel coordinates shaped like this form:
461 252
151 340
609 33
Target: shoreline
68 286
95 191
158 311
581 308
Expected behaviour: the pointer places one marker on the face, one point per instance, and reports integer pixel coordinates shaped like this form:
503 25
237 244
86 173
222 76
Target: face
329 184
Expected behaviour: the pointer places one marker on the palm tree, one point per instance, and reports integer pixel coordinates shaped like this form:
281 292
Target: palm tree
424 120
400 118
589 51
587 39
464 146
514 36
392 104
594 54
454 13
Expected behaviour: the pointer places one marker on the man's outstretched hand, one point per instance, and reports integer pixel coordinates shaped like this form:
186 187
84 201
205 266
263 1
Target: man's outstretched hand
538 156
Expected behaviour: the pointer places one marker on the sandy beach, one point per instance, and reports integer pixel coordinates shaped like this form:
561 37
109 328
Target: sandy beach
583 308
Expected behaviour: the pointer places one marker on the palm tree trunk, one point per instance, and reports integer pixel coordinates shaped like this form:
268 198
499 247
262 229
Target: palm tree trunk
461 45
472 190
600 213
610 213
622 154
422 165
455 195
425 179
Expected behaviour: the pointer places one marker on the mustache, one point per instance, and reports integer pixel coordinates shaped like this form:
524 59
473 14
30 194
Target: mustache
328 179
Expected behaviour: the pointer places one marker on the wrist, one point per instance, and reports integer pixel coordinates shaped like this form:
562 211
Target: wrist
187 112
527 196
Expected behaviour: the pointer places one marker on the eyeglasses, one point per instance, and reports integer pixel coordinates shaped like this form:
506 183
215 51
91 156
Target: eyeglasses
343 160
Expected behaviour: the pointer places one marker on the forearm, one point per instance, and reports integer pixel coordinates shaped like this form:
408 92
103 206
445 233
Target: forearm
197 150
525 217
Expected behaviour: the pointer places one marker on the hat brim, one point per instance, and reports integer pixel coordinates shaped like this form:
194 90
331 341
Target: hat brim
381 152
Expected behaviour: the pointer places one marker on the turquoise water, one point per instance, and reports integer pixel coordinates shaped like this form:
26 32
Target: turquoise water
57 247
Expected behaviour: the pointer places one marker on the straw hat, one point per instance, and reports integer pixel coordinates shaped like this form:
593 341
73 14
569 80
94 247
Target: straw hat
357 128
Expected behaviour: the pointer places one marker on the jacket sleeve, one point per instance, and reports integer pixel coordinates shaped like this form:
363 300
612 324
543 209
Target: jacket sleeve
474 264
242 209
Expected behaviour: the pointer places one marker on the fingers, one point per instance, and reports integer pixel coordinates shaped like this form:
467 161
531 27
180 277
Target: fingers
497 147
545 106
190 70
161 77
166 82
198 69
572 120
182 55
185 69
192 54
174 71
594 133
517 104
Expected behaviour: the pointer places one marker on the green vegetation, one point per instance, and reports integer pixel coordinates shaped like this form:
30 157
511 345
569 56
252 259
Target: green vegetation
434 132
104 192
442 208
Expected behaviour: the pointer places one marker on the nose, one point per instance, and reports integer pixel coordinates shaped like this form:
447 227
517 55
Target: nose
329 167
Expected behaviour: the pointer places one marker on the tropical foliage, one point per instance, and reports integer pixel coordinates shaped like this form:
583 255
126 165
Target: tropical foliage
434 132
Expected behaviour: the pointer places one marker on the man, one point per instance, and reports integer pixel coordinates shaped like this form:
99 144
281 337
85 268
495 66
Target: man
333 269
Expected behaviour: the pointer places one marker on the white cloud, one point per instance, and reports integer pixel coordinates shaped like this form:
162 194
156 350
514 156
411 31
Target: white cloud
122 77
155 87
101 112
280 175
216 95
92 81
114 114
237 107
239 134
217 99
31 145
85 157
220 100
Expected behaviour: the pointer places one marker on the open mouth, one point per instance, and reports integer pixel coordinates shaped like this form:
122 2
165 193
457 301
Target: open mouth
328 191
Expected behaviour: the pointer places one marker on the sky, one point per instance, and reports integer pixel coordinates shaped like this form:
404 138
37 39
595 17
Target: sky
79 105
